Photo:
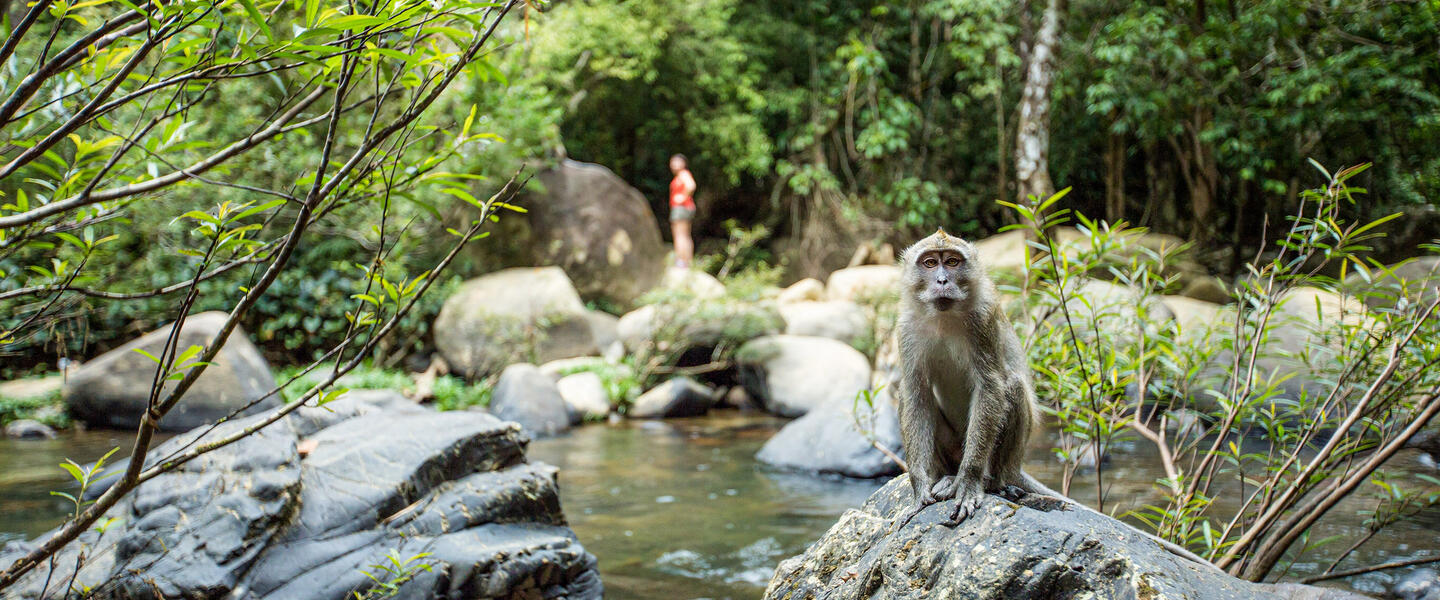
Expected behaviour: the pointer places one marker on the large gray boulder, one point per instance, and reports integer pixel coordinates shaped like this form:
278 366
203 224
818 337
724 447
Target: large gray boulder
529 397
309 419
836 319
584 393
526 313
453 484
1040 548
113 389
828 440
1301 348
792 374
598 229
1412 281
194 530
674 327
863 283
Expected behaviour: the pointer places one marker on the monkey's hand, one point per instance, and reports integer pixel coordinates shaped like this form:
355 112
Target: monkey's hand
967 502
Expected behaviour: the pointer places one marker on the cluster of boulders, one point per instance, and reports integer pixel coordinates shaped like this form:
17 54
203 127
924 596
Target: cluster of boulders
317 504
794 355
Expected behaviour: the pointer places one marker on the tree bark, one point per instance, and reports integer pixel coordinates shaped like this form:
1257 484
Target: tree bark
1002 185
1032 136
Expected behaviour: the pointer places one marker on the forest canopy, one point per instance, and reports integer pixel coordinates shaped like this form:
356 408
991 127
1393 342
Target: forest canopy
1191 117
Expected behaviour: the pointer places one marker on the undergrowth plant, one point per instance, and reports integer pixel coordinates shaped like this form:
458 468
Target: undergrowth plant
1266 412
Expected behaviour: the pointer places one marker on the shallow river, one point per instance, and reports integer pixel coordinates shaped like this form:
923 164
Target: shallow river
680 509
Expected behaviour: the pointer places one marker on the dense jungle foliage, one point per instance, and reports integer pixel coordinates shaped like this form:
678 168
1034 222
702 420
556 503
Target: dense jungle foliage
1190 117
834 123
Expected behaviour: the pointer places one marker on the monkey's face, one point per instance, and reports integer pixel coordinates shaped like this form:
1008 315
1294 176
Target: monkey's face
942 274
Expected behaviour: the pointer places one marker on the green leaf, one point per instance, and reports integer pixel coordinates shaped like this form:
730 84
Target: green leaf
257 18
152 357
74 470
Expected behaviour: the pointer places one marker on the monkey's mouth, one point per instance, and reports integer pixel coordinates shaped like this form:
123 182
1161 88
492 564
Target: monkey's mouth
944 304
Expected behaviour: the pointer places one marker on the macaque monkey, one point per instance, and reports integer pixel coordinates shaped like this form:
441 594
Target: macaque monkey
966 402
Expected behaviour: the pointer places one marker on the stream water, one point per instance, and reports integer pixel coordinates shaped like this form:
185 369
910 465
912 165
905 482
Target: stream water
680 509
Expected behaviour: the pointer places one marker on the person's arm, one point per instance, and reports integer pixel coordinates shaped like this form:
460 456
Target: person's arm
687 182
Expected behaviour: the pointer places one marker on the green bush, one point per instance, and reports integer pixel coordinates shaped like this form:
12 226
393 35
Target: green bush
450 392
48 409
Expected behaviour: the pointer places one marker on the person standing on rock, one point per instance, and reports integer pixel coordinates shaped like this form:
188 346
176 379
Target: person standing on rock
682 210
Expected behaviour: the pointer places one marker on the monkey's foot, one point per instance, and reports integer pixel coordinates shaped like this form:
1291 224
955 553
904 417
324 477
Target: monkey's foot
967 502
1012 493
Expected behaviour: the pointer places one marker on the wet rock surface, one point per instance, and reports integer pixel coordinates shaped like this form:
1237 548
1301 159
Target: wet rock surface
829 440
450 491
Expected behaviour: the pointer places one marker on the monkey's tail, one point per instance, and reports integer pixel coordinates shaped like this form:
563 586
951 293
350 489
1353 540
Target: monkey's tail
1033 485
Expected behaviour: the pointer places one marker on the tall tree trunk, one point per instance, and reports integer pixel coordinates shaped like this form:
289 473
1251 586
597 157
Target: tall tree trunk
1032 134
1001 133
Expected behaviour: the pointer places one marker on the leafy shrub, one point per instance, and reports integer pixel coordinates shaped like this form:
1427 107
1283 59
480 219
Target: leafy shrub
1224 406
450 392
48 409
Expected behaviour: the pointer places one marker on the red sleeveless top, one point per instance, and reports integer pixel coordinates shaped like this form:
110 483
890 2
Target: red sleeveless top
678 197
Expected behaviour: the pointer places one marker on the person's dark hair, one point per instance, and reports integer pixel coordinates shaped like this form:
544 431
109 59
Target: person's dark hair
682 159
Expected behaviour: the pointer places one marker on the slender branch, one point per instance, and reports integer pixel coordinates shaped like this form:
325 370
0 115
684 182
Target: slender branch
238 147
20 29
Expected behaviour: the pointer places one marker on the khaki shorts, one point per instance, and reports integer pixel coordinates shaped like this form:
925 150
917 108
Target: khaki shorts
682 213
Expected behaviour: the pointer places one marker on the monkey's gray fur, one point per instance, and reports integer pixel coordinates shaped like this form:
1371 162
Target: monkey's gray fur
966 402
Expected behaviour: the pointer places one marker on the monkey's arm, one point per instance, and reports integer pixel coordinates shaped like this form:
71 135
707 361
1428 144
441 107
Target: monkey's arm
918 417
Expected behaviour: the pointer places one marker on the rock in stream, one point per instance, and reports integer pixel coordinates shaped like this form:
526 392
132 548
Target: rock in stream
254 520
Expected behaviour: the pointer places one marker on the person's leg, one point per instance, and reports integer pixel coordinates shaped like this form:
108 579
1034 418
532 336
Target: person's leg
684 245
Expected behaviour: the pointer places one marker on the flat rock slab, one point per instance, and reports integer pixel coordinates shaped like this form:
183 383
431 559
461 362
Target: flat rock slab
1041 548
449 491
370 467
191 532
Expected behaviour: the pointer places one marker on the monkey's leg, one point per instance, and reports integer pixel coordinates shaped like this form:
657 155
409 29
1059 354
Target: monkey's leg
1007 464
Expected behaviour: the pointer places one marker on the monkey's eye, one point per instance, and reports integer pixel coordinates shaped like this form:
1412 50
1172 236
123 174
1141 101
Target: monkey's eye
931 262
952 262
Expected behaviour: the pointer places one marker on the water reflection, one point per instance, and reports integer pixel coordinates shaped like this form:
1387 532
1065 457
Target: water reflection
30 470
680 509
